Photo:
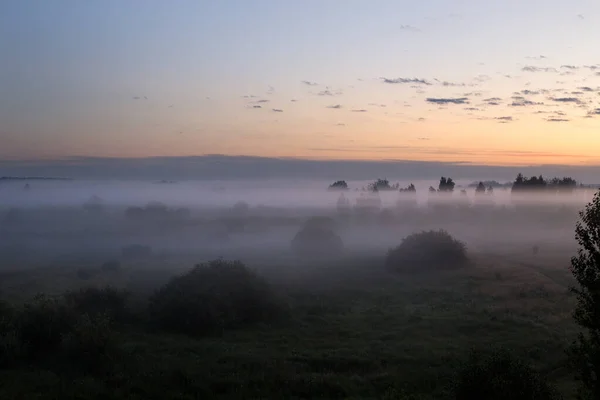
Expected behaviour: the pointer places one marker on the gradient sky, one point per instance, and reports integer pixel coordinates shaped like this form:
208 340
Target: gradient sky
492 82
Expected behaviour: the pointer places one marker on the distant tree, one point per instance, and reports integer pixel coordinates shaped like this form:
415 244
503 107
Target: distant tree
409 189
338 185
463 192
522 184
490 190
585 267
538 183
382 185
566 184
446 185
432 189
480 188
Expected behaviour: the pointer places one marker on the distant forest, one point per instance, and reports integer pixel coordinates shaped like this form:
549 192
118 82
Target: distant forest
520 184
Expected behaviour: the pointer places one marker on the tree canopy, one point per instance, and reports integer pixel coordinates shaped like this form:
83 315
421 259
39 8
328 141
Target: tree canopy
446 185
338 185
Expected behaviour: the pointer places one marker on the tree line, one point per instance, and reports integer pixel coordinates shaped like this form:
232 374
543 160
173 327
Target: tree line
521 184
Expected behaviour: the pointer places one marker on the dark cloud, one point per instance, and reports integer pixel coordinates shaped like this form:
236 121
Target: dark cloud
325 93
557 120
567 99
471 109
337 106
262 101
531 68
476 94
493 99
249 96
309 83
506 118
453 84
522 102
405 80
573 67
409 28
586 88
359 110
458 100
277 110
293 100
594 112
577 93
136 97
527 92
421 119
256 106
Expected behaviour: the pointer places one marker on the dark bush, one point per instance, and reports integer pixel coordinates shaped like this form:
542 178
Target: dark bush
91 342
499 375
214 296
427 250
41 325
317 239
95 301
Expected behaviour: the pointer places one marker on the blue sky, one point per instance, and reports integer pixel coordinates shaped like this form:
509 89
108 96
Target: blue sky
157 78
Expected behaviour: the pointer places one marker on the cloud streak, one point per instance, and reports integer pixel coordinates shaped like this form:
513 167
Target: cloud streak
458 100
405 80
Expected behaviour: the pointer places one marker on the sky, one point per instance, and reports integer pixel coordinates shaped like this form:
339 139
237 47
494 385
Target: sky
493 82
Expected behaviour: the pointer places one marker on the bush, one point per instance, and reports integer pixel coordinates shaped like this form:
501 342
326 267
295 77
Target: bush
214 296
95 301
427 249
499 375
91 341
41 325
317 238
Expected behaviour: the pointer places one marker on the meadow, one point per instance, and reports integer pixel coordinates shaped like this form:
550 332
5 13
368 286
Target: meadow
352 328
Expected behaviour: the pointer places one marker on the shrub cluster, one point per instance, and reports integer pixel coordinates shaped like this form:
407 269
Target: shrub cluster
499 375
317 238
427 250
214 296
77 325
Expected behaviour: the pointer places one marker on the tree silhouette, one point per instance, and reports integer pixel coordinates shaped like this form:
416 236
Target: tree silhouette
409 189
382 185
338 185
446 185
585 267
480 188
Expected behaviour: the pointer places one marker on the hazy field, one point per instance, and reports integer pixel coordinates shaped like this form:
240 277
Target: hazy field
356 330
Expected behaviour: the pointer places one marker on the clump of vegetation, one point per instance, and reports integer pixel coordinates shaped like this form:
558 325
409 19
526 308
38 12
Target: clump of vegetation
212 297
317 238
95 301
427 250
91 341
382 185
41 324
585 267
338 185
500 375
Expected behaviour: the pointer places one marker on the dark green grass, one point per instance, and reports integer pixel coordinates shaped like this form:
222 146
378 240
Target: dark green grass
355 332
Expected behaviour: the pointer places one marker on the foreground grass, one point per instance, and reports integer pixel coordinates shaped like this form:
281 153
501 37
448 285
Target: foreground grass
355 332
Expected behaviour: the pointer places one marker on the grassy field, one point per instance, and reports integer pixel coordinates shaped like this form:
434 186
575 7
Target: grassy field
355 331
